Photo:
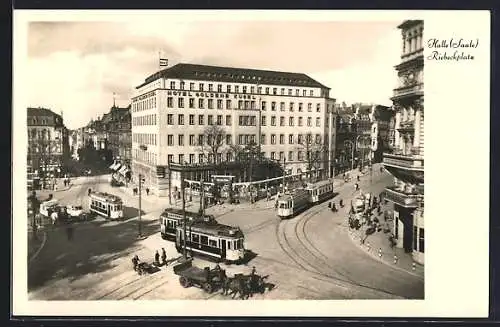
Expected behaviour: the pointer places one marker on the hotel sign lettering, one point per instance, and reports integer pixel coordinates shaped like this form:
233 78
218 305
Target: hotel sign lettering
210 95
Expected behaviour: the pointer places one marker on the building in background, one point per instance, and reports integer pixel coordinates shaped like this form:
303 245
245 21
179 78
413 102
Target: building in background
117 125
363 116
380 117
286 113
48 146
406 162
345 147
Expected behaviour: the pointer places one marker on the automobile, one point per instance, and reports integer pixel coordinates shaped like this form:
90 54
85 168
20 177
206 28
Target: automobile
74 211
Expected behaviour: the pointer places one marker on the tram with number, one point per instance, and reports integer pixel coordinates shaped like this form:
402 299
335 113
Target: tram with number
209 239
170 218
106 205
293 203
320 191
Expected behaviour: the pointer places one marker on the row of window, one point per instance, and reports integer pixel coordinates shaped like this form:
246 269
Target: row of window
242 104
228 156
244 89
144 104
144 120
243 139
243 120
145 156
144 138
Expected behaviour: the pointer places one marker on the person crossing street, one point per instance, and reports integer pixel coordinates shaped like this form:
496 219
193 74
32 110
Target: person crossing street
163 257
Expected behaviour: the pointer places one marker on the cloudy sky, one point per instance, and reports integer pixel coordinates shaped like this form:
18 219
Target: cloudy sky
76 66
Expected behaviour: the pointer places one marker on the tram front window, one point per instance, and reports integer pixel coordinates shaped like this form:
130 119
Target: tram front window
282 205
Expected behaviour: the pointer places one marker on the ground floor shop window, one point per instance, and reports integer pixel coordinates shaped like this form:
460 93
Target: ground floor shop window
415 229
421 245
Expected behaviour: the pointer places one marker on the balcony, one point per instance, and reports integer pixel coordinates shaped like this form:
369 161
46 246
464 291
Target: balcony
404 199
412 90
407 126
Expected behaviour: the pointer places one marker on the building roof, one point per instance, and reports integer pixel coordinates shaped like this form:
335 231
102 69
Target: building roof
232 75
35 112
410 23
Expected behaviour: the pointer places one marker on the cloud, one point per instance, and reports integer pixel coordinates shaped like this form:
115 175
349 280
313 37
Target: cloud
76 66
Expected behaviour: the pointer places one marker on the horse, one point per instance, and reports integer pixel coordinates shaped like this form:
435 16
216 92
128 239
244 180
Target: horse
234 285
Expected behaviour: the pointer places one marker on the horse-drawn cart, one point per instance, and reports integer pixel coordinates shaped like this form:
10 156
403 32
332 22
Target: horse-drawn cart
144 268
207 279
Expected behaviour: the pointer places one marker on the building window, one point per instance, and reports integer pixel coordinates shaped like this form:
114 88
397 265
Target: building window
290 121
181 139
191 139
263 121
201 158
182 85
191 102
282 138
170 119
318 107
259 90
282 91
219 104
263 105
210 120
299 139
282 155
267 90
240 104
273 120
273 106
273 138
290 139
275 91
282 121
240 139
172 85
181 158
228 88
309 121
244 89
201 120
300 121
200 86
219 119
191 86
318 139
201 139
415 238
311 93
210 87
170 158
228 120
210 103
219 87
309 107
191 158
181 119
300 156
252 104
252 121
421 239
247 104
201 103
263 139
170 140
236 89
282 106
228 104
273 155
191 119
290 155
297 92
252 89
318 122
291 106
170 102
228 139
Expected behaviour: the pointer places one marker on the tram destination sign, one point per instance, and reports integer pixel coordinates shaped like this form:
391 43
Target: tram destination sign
222 178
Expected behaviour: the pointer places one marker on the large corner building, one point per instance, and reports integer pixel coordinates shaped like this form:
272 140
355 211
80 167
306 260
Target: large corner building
171 109
406 162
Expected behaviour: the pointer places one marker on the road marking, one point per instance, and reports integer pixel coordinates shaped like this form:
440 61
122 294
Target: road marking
40 248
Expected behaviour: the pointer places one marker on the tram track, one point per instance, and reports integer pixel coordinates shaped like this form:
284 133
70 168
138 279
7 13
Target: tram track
298 255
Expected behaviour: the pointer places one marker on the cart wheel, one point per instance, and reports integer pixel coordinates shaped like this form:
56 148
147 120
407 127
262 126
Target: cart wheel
208 288
184 282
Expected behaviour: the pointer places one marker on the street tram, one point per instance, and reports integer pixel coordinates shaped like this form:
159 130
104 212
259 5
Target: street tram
212 240
293 203
170 218
320 191
106 205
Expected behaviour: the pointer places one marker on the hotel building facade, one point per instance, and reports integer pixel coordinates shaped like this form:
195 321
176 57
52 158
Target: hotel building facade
172 108
406 162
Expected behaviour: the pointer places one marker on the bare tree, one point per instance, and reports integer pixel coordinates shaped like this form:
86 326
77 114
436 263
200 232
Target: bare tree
213 140
41 152
314 149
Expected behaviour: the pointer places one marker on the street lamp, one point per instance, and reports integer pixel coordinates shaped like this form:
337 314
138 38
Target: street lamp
141 180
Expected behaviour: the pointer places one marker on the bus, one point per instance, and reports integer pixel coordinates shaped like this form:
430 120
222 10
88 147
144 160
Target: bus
212 240
106 205
172 217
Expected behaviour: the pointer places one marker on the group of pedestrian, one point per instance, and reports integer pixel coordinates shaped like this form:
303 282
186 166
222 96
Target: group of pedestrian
163 258
66 182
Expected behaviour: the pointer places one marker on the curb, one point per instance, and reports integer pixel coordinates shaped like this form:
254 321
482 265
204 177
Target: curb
363 248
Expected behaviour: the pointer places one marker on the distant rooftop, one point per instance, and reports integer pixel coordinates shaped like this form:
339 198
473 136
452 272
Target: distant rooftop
232 75
410 23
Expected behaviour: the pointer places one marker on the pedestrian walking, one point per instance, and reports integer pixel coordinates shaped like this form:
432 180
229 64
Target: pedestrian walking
163 257
356 187
147 191
90 191
341 203
357 178
54 217
157 258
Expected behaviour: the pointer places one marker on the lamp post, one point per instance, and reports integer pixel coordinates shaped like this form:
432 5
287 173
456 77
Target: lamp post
184 213
284 173
139 227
